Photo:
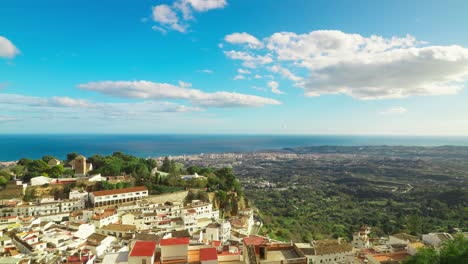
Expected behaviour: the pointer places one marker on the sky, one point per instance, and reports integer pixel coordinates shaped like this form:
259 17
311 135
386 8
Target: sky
234 67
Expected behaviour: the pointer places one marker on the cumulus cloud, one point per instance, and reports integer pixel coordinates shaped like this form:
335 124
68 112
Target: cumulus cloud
7 49
156 91
274 86
167 17
205 5
249 60
244 38
284 72
394 111
374 67
177 16
243 71
239 77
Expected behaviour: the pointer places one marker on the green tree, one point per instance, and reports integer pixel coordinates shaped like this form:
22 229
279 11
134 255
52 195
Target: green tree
455 251
3 181
56 171
24 161
29 194
47 158
166 166
18 170
452 252
71 156
5 174
414 224
37 167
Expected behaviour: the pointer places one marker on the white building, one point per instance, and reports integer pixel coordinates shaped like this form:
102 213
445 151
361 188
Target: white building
202 209
71 205
79 194
174 249
143 252
218 232
327 251
40 180
105 217
361 238
109 197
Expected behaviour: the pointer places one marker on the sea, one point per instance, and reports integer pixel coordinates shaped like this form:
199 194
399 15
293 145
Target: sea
15 147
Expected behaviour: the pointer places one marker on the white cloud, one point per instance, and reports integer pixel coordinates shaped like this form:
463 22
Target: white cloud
160 29
69 102
274 86
284 72
155 91
206 71
7 49
205 5
249 61
257 76
166 16
244 38
394 111
362 67
31 107
239 77
243 71
176 16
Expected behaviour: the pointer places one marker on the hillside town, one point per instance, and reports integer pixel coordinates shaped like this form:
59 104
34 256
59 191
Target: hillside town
128 225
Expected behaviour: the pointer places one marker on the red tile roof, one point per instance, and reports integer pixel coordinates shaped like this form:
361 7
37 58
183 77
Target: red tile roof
216 243
254 240
208 254
119 191
175 241
143 249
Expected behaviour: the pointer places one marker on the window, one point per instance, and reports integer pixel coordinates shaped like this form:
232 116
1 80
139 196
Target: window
143 261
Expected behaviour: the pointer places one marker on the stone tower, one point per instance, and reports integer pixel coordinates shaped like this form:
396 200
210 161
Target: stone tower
80 166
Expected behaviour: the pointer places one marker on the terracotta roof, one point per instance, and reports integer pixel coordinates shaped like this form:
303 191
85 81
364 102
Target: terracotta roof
216 243
143 249
105 214
119 191
207 254
254 240
175 241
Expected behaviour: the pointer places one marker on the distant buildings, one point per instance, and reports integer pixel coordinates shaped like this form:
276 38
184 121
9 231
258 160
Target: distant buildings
361 238
327 251
436 239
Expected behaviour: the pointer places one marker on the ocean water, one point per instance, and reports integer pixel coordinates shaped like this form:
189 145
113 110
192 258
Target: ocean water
14 147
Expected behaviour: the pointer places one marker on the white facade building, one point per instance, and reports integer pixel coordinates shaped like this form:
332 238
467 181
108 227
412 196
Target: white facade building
109 197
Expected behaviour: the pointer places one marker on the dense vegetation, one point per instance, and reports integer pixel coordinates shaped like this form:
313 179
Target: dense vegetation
134 171
324 192
453 252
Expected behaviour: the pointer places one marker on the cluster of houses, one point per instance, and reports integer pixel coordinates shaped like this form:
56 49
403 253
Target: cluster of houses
93 227
128 226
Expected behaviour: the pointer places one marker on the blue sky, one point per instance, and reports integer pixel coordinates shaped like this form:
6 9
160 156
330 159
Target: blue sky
225 66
